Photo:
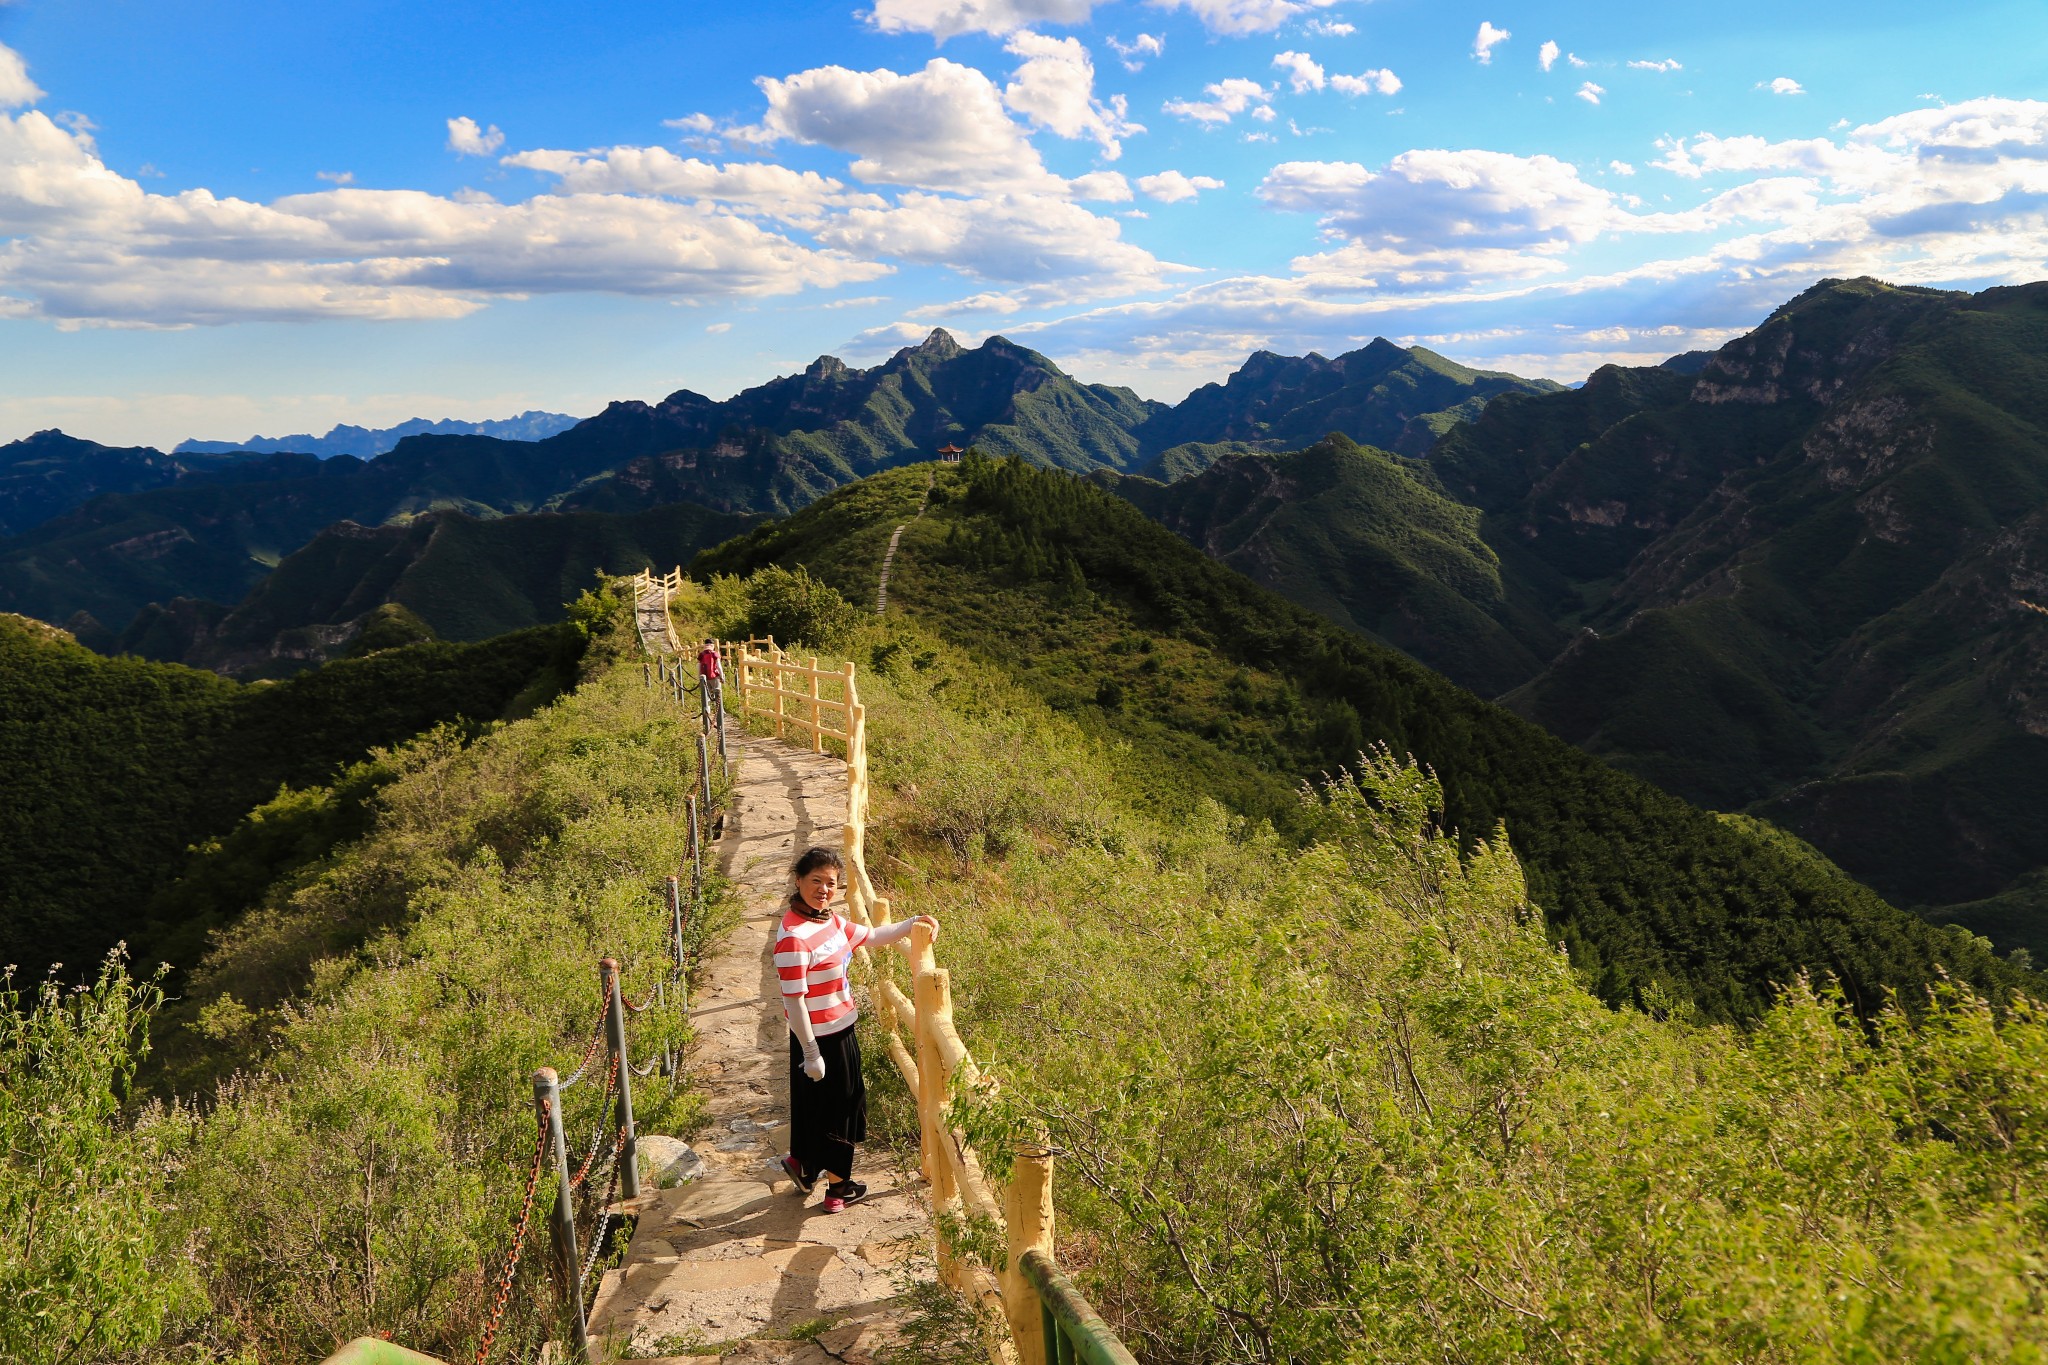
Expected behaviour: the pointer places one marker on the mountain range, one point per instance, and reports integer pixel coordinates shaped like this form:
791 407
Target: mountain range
367 443
212 535
1791 576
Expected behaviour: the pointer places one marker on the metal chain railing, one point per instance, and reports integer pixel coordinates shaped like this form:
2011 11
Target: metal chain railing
503 1296
614 1113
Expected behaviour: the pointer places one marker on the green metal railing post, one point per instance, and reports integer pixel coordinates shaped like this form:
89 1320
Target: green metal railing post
615 1026
547 1098
1075 1333
704 767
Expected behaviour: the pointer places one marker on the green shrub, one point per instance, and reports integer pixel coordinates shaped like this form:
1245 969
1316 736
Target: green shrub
794 608
85 1270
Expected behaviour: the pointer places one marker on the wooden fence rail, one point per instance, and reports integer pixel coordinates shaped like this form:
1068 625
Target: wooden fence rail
1022 1323
1028 1311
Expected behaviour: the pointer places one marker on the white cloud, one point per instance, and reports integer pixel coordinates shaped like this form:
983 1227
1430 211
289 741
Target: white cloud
466 139
15 86
1621 168
1108 187
1055 248
718 328
1590 92
1426 201
92 247
692 123
336 177
1226 97
1055 89
939 128
945 19
1782 85
1669 64
1235 18
1303 74
1328 28
1546 56
1378 81
1487 40
1171 187
1135 53
760 188
1574 59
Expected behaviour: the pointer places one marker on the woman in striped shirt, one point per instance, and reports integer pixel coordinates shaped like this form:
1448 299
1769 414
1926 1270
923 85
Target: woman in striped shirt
828 1101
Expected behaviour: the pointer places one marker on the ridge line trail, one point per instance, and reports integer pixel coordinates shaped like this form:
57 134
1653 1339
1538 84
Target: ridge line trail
718 1265
889 558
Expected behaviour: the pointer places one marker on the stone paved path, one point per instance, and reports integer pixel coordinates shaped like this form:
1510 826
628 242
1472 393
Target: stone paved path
724 1268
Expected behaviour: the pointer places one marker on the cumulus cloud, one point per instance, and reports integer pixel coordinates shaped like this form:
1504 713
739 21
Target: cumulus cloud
1171 187
1235 18
1487 40
1668 64
1425 200
1107 187
1055 249
945 19
1782 85
15 86
1328 28
466 139
1590 92
943 127
1301 70
1621 168
1136 52
1546 56
1236 95
336 177
1055 89
760 188
92 247
1378 81
1574 59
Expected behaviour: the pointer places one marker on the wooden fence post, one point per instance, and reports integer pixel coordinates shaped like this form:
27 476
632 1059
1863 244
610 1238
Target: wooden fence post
934 1000
817 737
547 1099
615 1027
1028 1223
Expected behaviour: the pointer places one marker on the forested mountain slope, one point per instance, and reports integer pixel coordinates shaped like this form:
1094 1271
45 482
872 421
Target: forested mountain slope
1789 575
213 534
47 474
114 767
1383 395
1366 539
449 575
1225 688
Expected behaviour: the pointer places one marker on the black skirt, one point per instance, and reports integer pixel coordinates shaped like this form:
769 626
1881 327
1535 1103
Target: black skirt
834 1110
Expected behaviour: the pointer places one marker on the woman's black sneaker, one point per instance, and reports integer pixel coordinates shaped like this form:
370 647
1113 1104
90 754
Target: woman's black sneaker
842 1193
795 1172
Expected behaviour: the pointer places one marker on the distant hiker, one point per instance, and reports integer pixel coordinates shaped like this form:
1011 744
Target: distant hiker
828 1101
710 676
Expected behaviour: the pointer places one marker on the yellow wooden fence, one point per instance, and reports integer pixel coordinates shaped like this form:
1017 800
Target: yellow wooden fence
794 697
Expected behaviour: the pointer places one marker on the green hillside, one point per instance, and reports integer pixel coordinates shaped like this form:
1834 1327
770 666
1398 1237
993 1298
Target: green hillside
1802 574
1394 397
454 576
1224 688
115 767
1365 539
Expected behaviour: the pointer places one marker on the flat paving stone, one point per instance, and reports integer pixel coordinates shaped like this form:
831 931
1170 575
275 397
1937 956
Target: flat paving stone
722 1268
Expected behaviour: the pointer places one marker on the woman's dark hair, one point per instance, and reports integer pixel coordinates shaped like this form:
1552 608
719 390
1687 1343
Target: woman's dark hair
815 857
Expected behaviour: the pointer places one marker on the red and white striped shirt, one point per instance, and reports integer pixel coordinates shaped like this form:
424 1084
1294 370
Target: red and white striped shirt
811 957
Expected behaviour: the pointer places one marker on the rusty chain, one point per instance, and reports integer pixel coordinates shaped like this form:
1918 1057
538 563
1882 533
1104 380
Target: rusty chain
504 1294
596 1038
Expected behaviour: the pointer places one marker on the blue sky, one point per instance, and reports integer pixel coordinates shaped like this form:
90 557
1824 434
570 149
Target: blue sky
229 218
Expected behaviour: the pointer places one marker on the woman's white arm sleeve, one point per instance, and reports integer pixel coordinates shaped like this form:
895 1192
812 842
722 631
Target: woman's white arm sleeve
886 934
796 1010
